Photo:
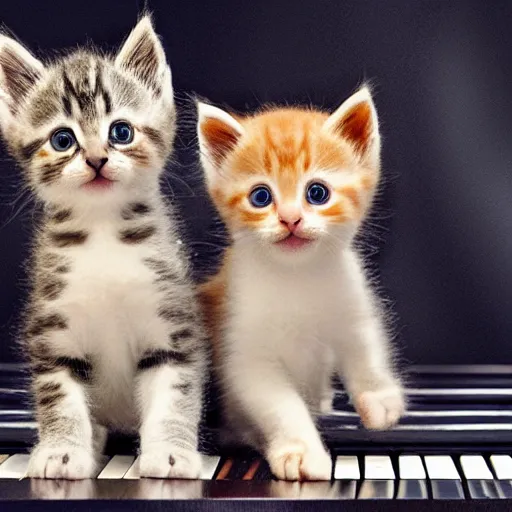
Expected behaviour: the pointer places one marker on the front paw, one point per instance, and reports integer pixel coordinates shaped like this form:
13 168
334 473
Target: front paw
295 460
380 409
168 461
61 462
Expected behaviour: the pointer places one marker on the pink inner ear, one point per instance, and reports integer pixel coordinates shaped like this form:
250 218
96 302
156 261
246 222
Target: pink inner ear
357 125
221 138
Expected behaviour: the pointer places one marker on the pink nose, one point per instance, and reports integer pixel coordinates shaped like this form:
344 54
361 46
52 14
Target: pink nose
290 221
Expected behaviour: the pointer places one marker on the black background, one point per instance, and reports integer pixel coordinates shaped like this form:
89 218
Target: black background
441 232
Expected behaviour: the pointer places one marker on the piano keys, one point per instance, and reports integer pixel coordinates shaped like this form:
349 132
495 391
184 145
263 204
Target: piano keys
454 445
364 477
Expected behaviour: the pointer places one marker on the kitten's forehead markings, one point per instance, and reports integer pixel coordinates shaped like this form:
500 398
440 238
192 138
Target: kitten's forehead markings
83 92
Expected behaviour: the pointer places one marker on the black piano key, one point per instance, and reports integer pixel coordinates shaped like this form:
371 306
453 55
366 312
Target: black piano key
447 490
238 468
225 465
412 490
483 489
456 397
263 472
243 468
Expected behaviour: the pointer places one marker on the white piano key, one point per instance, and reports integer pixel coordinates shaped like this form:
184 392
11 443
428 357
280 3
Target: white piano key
484 489
345 489
376 490
15 466
209 465
378 467
102 462
441 467
133 473
346 468
505 489
474 467
116 467
412 490
502 465
411 467
447 489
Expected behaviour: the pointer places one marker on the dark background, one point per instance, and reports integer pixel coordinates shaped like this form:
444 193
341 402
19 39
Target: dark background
441 232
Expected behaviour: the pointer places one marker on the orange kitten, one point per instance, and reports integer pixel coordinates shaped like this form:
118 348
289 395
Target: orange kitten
291 303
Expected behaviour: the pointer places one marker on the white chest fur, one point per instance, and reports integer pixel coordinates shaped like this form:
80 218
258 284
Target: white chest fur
110 300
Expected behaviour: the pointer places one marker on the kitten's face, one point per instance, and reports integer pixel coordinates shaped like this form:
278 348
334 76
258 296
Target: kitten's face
89 126
294 181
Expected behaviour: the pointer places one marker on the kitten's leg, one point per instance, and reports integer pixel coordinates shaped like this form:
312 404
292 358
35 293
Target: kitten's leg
99 438
169 388
65 448
326 393
266 396
364 362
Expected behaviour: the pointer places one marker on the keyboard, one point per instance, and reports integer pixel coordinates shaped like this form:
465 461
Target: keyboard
453 447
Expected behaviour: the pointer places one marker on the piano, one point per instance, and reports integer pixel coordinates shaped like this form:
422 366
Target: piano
452 449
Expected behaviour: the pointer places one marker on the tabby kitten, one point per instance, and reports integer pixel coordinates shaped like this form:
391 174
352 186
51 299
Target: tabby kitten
112 331
291 303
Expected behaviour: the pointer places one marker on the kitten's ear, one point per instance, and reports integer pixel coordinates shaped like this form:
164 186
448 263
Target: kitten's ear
143 55
356 121
218 134
19 73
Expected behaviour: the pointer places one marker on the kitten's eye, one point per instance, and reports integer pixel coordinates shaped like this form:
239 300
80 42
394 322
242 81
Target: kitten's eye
317 193
121 133
62 139
260 197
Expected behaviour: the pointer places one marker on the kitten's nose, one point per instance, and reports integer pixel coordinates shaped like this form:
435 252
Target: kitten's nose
96 163
290 218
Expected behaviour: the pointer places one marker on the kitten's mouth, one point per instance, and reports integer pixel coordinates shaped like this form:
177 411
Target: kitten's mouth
293 242
99 182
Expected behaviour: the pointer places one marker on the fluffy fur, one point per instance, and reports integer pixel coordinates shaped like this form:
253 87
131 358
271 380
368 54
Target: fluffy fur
112 330
291 303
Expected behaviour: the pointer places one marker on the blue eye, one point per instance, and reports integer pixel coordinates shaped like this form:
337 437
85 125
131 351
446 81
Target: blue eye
121 133
317 193
260 197
62 139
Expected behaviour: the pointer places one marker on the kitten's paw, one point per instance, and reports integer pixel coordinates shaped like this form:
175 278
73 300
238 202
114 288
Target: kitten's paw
170 462
62 462
380 409
296 461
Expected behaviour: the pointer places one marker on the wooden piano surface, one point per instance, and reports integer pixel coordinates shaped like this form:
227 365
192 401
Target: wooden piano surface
453 447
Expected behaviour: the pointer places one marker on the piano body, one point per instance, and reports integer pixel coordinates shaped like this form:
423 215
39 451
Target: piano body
452 448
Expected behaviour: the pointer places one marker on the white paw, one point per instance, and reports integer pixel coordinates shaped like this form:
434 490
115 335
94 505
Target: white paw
380 409
296 460
63 462
168 461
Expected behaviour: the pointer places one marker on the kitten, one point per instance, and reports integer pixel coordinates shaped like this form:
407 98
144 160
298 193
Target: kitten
291 303
113 331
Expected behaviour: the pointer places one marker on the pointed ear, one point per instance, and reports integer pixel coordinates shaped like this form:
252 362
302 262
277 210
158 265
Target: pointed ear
356 122
218 134
143 55
19 73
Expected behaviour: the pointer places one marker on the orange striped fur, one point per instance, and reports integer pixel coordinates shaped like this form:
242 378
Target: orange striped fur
285 149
